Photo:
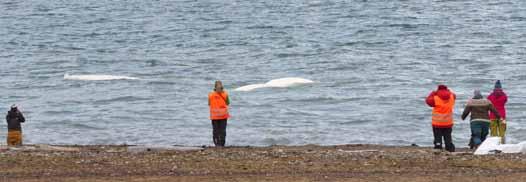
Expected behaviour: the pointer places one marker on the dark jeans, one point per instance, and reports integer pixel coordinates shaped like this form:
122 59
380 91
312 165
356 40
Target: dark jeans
479 131
445 133
219 133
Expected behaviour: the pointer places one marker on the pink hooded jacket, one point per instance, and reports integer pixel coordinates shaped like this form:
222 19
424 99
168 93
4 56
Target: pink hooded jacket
498 98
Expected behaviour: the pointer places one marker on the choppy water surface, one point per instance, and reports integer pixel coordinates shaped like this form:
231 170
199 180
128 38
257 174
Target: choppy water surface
373 63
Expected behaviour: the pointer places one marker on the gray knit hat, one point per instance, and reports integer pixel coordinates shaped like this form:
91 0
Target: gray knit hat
477 94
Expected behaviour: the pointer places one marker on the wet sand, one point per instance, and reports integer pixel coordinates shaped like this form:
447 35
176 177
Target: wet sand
276 163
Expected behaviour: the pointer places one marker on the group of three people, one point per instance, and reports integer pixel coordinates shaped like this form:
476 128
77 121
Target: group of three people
485 114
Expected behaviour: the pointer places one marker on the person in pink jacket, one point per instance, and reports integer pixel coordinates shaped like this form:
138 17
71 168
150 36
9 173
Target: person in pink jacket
498 98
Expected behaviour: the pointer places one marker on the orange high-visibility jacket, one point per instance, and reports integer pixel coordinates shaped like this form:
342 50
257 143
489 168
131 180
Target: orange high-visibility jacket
443 112
218 105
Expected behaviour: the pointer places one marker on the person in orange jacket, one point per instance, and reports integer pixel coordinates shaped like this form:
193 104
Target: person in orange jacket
442 101
218 101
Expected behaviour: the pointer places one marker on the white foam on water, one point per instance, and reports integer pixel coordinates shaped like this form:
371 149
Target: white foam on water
276 83
97 77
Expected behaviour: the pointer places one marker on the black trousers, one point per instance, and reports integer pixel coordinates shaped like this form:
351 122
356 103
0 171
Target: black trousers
444 133
219 132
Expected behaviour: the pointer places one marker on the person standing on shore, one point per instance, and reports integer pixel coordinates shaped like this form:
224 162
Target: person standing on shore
14 118
479 109
218 101
442 101
498 125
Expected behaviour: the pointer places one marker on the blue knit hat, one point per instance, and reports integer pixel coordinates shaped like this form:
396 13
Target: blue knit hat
498 84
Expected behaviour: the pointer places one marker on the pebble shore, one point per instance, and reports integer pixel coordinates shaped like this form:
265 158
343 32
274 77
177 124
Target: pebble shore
274 163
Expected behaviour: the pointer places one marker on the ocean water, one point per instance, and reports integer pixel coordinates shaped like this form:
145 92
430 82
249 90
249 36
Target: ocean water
373 62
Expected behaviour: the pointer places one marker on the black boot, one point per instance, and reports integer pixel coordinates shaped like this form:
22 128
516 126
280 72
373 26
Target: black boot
438 146
450 147
222 141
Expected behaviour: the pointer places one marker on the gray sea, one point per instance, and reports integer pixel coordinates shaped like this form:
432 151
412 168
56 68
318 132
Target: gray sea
373 62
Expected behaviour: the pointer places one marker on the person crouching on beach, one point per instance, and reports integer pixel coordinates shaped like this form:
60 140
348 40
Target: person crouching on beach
442 101
479 109
14 119
218 101
498 98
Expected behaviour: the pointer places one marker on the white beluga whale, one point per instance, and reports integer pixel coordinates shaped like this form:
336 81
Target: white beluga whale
247 88
276 83
97 77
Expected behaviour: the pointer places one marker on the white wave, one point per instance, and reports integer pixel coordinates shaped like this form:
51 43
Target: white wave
97 77
276 83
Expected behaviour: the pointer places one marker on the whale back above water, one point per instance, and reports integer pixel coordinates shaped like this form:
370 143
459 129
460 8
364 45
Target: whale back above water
287 82
247 88
276 83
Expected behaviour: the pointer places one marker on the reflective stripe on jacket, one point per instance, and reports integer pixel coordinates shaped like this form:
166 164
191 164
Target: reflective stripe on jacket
443 112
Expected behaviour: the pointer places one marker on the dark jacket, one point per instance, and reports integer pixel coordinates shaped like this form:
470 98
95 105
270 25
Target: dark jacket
14 118
479 109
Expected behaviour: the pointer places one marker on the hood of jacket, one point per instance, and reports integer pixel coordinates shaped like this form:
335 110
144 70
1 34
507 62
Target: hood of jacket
444 94
498 92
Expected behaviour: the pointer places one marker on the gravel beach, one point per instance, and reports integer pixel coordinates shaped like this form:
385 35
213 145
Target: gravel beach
275 163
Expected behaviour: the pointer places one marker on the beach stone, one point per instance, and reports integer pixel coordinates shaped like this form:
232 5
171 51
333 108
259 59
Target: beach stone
461 153
359 151
22 148
56 148
158 148
3 148
39 147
